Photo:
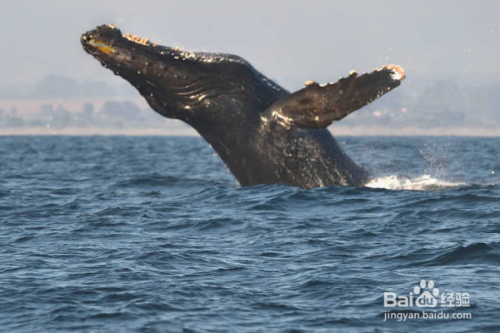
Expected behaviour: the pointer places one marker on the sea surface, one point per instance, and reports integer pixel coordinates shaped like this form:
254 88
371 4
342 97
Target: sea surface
153 234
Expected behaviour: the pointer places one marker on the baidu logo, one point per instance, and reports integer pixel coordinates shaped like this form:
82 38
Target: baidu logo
427 296
426 299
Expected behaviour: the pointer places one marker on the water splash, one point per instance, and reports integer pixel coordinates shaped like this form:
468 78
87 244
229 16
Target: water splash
423 183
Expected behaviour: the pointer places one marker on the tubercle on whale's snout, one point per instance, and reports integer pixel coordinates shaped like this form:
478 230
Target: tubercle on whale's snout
139 40
112 33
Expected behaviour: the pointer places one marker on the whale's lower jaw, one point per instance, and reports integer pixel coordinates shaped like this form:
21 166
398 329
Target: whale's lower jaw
264 134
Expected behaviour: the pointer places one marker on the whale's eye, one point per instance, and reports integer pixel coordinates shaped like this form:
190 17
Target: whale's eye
101 46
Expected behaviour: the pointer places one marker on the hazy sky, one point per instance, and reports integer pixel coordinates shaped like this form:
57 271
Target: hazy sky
290 41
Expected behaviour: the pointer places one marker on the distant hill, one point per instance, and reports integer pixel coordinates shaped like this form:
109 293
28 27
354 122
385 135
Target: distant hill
56 87
440 104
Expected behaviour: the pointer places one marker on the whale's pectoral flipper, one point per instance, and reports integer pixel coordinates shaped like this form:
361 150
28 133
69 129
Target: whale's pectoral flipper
317 106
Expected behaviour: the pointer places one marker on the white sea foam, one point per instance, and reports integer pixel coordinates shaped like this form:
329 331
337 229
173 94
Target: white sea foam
423 183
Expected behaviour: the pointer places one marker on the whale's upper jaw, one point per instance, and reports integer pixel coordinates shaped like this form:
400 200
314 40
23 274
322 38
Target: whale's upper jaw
109 40
137 60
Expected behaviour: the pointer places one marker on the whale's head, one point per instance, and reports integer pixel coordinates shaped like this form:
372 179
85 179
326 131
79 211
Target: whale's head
181 84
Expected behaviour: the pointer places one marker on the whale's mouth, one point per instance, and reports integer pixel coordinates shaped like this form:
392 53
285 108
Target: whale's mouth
101 46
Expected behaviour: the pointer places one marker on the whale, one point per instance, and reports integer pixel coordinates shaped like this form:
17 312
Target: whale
263 133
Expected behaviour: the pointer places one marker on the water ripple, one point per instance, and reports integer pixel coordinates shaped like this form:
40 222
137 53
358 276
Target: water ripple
113 234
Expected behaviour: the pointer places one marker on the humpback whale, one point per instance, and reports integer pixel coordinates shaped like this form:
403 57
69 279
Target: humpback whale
263 133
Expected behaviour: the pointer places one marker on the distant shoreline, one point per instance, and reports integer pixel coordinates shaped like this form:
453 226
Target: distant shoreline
336 130
31 107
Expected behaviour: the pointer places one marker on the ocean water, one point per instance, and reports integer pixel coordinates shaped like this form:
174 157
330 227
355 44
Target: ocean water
153 234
